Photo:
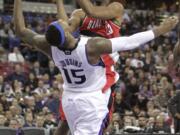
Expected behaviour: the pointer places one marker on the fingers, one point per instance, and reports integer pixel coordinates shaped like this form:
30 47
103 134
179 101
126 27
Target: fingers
171 22
175 19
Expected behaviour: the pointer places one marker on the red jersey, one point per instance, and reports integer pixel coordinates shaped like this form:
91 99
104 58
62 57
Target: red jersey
104 28
108 29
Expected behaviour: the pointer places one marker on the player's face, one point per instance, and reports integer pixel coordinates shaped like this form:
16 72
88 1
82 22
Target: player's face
66 28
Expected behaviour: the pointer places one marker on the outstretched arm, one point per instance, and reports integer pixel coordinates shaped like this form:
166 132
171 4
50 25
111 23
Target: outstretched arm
111 11
61 10
27 35
99 46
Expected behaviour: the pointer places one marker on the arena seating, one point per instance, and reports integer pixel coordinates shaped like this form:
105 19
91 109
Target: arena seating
7 131
34 131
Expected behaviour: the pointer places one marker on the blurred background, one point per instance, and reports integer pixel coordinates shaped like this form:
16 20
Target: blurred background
30 84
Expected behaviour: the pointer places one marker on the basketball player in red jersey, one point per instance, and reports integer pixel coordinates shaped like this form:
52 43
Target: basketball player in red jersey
97 23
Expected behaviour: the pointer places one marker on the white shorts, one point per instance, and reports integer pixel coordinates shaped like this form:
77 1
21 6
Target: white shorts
85 112
107 95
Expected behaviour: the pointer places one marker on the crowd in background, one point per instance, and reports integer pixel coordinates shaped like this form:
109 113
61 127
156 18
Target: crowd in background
30 84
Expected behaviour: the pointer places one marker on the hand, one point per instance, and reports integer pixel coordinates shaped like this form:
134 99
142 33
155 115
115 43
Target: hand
166 26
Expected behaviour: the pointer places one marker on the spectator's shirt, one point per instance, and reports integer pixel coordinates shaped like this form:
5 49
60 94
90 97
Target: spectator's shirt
174 75
15 57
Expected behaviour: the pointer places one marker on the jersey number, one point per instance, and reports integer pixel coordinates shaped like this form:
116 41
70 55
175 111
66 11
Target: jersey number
78 79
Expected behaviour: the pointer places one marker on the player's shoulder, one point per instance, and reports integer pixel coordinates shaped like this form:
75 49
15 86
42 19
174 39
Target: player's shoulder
94 42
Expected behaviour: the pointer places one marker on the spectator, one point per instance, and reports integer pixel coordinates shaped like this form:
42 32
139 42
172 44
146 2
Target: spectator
120 105
2 84
46 80
160 125
15 111
53 102
32 81
3 120
174 108
29 120
39 121
37 69
39 104
14 123
50 121
42 90
17 75
142 123
161 99
3 55
8 115
52 70
16 56
4 34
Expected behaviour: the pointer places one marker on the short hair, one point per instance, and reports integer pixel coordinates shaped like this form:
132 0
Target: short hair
52 36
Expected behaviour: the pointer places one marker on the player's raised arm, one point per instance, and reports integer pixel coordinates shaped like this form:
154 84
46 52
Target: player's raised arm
75 20
111 11
99 46
61 10
27 35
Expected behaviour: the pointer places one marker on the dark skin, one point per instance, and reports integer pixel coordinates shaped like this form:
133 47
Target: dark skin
108 9
39 42
113 10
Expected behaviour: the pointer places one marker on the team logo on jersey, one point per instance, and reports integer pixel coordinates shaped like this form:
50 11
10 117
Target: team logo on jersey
109 29
94 24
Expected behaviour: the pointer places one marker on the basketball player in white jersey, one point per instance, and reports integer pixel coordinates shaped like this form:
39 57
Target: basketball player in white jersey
108 27
82 69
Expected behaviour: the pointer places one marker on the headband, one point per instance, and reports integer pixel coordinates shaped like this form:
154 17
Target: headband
61 32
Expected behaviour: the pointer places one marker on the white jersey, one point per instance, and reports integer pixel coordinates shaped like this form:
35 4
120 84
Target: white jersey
78 74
